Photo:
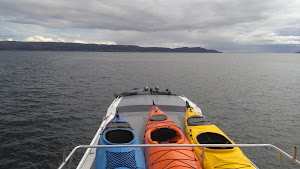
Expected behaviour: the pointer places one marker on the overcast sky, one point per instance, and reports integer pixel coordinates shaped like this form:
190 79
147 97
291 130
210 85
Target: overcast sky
224 25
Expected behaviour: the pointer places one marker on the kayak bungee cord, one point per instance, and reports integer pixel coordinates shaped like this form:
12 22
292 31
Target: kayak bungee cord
189 158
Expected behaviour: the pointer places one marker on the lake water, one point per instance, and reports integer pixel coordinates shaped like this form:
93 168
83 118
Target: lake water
52 100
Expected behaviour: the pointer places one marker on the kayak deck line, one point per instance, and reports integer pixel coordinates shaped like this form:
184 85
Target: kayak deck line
280 152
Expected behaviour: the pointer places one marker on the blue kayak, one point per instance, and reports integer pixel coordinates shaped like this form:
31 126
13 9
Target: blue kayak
118 131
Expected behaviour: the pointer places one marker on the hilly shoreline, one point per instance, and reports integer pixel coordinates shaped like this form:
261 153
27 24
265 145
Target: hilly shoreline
62 46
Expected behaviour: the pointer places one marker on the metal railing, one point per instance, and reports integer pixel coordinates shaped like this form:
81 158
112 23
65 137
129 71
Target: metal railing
280 152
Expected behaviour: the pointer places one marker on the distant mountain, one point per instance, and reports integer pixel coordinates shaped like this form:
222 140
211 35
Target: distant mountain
298 52
60 46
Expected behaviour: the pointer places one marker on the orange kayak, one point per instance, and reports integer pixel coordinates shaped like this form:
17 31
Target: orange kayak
160 129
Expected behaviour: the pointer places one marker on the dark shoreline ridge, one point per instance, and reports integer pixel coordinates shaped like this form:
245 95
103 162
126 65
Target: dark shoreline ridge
61 46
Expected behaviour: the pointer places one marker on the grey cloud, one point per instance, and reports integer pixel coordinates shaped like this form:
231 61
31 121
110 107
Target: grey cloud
222 25
134 15
291 30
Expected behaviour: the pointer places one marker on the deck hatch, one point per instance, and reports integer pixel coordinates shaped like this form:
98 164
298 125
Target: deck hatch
118 124
197 121
159 117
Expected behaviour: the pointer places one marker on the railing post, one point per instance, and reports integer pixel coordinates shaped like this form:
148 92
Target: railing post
146 155
70 162
279 159
203 157
294 153
64 154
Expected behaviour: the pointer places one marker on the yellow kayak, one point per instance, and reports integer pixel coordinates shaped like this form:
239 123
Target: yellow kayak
201 131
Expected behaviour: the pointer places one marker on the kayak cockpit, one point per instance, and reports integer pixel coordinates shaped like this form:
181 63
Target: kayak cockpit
213 138
119 136
165 135
118 132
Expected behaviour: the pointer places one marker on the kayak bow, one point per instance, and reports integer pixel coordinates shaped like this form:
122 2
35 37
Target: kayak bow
118 131
199 130
160 129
